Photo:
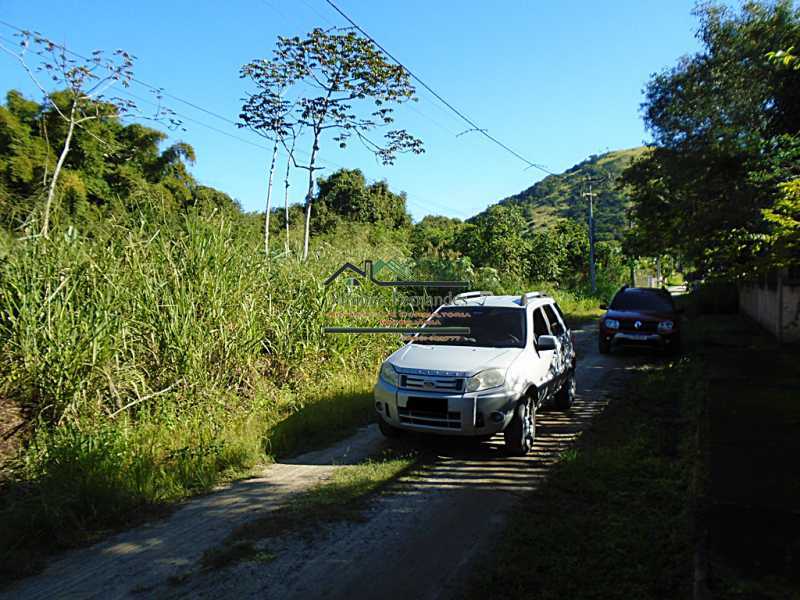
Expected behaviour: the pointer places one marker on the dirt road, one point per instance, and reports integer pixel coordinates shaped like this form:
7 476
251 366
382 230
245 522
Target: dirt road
421 539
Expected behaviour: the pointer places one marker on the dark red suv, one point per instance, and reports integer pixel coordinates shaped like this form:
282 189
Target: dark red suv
641 317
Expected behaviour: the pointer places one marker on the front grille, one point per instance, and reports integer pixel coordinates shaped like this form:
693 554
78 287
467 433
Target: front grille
628 326
431 383
431 412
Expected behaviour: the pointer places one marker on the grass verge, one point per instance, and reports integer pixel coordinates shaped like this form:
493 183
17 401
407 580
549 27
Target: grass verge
87 482
343 497
749 438
614 519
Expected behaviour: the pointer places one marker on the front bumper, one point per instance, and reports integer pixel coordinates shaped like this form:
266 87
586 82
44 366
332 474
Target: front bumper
655 340
468 414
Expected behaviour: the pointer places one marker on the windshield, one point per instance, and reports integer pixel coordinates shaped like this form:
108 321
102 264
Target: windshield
490 327
641 300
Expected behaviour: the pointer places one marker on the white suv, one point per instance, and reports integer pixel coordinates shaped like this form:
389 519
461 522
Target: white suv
517 355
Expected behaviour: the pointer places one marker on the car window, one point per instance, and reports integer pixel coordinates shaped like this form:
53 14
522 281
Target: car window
560 312
555 325
539 324
642 300
489 327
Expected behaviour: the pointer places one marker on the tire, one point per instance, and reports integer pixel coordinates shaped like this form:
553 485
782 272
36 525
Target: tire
521 431
388 430
566 395
604 346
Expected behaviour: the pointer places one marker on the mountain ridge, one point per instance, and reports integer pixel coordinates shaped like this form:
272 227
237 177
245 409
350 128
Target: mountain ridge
560 196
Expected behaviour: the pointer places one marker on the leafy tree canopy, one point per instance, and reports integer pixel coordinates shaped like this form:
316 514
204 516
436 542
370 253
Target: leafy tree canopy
725 123
346 196
113 166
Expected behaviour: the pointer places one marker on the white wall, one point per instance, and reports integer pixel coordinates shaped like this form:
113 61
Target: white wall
776 309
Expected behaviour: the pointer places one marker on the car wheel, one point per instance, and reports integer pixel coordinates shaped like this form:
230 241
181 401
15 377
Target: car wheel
604 346
388 430
566 395
521 431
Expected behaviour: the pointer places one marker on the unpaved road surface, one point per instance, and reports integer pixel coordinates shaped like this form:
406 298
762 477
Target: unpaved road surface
423 538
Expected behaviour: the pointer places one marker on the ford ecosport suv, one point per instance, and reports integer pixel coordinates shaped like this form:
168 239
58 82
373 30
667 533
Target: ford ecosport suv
517 354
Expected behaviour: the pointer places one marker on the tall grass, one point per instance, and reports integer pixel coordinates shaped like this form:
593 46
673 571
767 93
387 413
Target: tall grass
155 360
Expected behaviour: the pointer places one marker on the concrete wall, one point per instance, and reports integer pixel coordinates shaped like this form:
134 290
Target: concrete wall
775 305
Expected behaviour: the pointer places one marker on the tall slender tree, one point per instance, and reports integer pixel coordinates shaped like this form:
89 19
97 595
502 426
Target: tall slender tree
81 83
268 117
327 74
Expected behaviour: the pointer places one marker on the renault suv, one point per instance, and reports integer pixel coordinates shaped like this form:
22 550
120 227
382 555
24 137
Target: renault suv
512 354
640 317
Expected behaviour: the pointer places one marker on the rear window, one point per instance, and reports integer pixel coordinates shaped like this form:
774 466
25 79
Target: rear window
642 300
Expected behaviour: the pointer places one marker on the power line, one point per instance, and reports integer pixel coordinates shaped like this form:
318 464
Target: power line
163 93
464 117
157 89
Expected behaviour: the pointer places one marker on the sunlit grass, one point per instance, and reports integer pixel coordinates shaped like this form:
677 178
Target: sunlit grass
157 363
342 497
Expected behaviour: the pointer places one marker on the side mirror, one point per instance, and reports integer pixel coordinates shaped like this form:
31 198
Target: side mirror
547 342
604 307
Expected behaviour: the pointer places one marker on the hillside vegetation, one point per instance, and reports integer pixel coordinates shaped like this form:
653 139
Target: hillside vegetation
559 196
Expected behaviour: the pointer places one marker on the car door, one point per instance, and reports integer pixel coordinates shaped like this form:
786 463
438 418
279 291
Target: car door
562 358
570 344
546 382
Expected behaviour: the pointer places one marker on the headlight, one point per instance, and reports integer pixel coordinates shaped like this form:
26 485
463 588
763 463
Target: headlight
486 379
388 374
612 323
666 326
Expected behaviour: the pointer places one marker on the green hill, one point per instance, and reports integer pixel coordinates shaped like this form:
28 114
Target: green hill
559 196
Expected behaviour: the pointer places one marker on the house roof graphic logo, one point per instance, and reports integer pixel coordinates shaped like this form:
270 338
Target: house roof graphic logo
401 274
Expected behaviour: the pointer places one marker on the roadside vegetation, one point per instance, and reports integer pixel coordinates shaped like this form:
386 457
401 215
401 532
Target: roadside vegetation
718 187
614 519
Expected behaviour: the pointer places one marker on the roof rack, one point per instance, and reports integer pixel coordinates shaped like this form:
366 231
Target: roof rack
468 295
528 296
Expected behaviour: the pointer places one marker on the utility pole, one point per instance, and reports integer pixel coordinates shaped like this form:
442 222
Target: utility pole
591 196
658 271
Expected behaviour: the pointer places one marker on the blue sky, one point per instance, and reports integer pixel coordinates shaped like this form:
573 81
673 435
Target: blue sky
556 81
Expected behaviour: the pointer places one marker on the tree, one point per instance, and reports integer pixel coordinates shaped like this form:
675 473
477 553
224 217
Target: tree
82 100
497 238
341 69
434 236
268 117
112 170
345 195
784 215
718 118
